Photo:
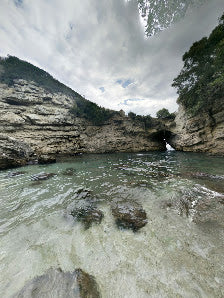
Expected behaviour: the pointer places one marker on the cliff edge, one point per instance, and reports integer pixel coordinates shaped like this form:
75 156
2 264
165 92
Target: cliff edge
203 132
38 126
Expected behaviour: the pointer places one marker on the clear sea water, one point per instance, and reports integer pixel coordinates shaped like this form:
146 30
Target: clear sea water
179 253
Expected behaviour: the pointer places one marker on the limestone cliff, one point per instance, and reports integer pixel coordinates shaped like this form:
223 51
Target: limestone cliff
201 133
37 126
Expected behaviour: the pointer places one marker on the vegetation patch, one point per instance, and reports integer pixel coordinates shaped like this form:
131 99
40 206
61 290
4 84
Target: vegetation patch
147 120
201 80
165 114
92 112
12 68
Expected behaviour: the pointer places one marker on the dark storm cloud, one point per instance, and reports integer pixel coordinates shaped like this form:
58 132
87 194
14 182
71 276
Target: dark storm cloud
92 45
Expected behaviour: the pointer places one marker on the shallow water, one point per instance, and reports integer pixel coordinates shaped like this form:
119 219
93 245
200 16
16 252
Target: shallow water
179 253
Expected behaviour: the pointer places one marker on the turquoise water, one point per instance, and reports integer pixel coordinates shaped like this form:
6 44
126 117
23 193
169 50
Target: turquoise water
179 253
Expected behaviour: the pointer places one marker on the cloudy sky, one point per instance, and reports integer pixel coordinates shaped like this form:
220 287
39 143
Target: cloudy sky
99 49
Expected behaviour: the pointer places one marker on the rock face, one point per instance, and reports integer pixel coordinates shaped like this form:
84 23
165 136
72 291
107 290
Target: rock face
201 133
57 284
36 125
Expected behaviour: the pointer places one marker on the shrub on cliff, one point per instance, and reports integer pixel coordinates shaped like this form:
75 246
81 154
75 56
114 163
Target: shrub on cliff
13 68
165 114
202 78
92 112
147 120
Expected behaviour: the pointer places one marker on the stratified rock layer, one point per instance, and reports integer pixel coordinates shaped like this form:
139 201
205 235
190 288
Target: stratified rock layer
37 126
201 133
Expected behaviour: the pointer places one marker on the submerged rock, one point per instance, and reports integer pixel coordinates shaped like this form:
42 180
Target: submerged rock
183 203
87 285
42 176
36 183
166 204
57 284
69 172
202 176
213 182
87 215
14 174
199 204
129 216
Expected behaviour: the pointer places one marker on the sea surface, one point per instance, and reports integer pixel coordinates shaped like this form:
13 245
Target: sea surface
178 253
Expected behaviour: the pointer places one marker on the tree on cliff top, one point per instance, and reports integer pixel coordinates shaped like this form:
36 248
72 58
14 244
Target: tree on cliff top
164 113
202 78
159 15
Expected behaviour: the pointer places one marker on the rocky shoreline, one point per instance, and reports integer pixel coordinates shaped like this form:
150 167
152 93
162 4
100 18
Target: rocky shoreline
37 127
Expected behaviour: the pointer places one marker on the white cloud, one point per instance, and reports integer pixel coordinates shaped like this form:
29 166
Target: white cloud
91 44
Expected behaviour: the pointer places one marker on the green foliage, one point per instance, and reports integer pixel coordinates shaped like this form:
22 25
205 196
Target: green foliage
159 15
147 120
92 112
165 114
202 78
14 68
132 115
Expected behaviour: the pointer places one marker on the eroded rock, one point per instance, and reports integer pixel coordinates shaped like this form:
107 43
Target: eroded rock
13 153
57 284
202 132
129 216
88 215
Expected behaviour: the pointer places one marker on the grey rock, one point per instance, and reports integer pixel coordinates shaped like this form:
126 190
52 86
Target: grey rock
42 176
56 283
200 133
39 124
129 215
14 174
69 172
88 215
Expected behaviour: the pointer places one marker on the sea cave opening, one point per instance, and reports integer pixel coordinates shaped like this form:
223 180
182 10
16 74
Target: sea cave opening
165 138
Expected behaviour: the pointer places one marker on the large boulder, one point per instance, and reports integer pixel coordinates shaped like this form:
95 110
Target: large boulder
129 215
14 153
57 284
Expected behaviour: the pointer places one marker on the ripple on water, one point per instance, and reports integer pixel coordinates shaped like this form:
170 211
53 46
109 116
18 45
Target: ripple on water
177 253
